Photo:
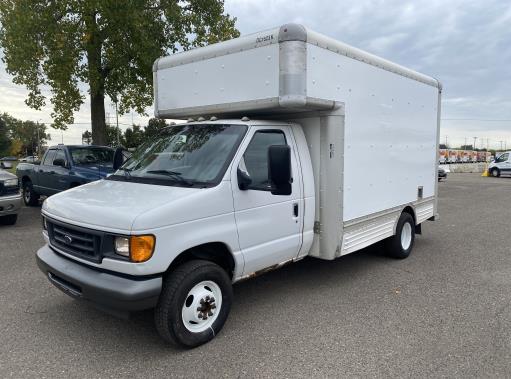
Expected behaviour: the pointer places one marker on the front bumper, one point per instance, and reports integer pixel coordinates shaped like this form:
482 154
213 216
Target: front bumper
10 204
112 293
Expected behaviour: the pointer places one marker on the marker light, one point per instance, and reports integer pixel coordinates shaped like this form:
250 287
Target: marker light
141 248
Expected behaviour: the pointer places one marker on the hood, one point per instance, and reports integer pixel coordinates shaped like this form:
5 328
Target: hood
94 171
127 206
6 175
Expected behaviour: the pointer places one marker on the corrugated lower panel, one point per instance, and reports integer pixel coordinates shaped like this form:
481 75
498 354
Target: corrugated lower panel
364 234
424 211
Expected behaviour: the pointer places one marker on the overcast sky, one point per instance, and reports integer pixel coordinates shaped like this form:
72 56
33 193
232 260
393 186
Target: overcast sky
465 44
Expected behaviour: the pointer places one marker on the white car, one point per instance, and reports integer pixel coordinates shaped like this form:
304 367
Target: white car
501 165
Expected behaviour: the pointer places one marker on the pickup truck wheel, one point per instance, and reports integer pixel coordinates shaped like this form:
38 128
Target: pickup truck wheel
194 303
30 197
8 220
401 244
495 172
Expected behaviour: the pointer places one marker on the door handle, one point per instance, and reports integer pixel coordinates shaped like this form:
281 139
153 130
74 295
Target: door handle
295 209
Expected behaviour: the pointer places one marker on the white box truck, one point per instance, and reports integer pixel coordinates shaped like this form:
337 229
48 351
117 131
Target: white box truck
296 145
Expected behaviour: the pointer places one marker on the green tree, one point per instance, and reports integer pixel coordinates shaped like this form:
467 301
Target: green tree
133 136
27 136
114 136
86 137
5 140
154 126
108 44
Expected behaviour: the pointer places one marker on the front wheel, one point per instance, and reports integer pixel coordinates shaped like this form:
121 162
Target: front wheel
495 172
194 303
401 244
30 197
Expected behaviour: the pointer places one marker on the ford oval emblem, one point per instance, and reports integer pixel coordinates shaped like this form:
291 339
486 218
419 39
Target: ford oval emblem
68 239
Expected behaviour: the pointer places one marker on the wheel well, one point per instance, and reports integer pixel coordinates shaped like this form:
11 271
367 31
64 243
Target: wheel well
216 252
25 179
411 212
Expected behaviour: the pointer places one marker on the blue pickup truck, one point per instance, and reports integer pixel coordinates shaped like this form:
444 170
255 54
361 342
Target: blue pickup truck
63 167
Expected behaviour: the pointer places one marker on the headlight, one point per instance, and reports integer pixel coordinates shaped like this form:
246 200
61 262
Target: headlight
136 248
11 182
122 246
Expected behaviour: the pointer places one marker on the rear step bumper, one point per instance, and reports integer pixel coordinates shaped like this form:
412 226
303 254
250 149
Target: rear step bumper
114 294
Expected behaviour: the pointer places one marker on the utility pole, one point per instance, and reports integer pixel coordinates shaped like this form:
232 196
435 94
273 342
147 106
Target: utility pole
465 142
117 124
446 141
475 139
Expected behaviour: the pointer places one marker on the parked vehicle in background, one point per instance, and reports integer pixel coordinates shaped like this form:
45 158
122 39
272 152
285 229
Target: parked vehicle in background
453 156
443 156
63 167
501 165
30 159
7 162
226 197
442 173
10 198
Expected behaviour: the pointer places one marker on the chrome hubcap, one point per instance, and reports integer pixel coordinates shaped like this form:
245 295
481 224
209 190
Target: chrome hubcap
406 236
202 306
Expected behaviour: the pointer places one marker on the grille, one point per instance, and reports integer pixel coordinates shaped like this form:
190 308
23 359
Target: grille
5 191
75 240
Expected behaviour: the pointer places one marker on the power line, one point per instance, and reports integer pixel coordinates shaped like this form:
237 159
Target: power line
476 119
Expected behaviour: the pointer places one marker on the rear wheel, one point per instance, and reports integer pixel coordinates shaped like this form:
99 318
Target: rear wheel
194 303
495 172
8 220
401 244
30 197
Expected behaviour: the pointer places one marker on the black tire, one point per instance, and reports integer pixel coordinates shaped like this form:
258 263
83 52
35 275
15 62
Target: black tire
8 220
393 245
30 197
176 287
495 172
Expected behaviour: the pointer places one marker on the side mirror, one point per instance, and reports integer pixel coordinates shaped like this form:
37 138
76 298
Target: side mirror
279 169
121 155
244 180
59 162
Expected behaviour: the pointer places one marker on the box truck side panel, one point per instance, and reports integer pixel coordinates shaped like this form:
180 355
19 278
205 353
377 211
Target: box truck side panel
239 81
390 143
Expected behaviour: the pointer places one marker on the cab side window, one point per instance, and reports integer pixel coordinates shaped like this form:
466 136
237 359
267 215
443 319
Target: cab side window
48 159
59 154
255 159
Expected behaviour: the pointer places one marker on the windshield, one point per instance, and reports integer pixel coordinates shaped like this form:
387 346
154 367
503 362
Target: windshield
91 156
184 155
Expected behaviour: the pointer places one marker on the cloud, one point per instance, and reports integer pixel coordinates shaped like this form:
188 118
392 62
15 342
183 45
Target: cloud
464 43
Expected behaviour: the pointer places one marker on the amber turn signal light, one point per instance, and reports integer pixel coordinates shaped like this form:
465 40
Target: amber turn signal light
141 248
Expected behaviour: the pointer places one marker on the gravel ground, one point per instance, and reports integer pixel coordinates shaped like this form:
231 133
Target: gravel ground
443 312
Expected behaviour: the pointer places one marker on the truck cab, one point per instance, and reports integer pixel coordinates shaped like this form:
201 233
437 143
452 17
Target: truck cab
501 165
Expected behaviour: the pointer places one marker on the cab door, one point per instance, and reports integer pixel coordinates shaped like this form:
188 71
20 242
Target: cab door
269 226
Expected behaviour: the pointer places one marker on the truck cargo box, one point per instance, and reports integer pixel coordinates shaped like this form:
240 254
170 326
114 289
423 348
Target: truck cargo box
385 136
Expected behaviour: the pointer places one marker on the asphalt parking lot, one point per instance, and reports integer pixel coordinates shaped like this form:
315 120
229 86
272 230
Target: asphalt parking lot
443 312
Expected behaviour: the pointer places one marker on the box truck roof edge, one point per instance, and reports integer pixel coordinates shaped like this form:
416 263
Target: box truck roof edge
292 60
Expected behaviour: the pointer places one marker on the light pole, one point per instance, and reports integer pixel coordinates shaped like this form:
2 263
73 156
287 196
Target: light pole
474 146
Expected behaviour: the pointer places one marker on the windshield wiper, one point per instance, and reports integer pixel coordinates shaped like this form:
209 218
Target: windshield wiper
127 172
173 174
